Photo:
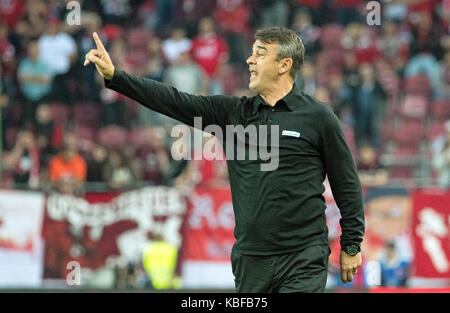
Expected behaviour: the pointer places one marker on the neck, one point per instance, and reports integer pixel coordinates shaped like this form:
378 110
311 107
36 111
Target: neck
277 91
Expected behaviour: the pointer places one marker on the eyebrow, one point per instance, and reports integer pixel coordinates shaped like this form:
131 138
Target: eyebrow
261 47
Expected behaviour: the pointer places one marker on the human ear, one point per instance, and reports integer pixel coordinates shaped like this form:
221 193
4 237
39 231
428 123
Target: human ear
284 65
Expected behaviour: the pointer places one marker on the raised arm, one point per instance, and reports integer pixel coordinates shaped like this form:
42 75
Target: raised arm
161 97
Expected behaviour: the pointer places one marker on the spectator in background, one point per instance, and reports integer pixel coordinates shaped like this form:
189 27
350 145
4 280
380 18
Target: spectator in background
370 172
274 13
176 44
347 11
210 51
232 17
8 62
35 79
155 66
185 75
319 10
23 160
33 22
154 69
393 45
394 270
5 107
153 157
339 92
350 71
58 50
164 11
49 134
424 50
321 93
8 52
191 12
441 158
68 168
307 78
96 164
302 24
395 10
117 171
11 11
115 11
363 41
368 107
444 89
114 105
146 13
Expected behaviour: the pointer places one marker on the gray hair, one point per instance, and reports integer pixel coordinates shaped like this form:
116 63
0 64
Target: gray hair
289 43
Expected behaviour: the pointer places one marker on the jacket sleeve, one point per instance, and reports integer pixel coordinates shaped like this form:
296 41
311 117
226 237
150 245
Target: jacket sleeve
344 181
169 101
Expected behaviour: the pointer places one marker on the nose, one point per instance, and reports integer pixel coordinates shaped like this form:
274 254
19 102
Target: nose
251 60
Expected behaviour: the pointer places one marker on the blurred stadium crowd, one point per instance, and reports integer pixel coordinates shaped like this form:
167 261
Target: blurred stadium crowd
61 129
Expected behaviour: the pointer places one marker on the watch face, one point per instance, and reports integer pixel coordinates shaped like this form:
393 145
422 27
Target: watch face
352 250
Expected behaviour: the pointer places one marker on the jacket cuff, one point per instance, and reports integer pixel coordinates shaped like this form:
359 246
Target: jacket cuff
111 82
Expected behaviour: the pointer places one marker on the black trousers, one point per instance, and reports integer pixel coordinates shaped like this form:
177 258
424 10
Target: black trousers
301 271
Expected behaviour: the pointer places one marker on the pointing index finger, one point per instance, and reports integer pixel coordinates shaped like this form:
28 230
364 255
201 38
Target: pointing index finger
98 42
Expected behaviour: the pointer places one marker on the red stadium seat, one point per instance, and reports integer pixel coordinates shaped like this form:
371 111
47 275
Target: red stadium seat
402 158
437 128
11 136
141 136
349 138
441 109
418 85
86 137
230 77
387 125
390 82
401 172
330 36
332 59
113 136
415 106
87 114
61 113
137 58
409 133
138 38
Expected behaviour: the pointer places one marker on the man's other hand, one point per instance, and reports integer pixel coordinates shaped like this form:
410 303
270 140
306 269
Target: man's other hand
100 58
349 266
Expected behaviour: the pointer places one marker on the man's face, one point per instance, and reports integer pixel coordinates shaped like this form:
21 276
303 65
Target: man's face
263 66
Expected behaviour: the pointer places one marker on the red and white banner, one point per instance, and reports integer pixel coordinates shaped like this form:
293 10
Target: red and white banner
208 239
105 230
21 255
431 231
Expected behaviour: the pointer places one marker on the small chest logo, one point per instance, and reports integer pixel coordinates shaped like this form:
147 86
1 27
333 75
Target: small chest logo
290 133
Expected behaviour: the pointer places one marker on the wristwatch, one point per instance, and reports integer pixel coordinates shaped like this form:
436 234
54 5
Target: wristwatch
351 250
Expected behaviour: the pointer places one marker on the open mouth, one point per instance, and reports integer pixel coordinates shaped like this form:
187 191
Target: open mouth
252 74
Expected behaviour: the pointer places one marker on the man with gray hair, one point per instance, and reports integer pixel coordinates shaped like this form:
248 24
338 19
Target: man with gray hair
281 233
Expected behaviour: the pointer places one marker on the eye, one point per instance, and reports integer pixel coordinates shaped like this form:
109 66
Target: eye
259 54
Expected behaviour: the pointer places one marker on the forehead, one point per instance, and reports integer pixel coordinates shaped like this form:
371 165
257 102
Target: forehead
270 47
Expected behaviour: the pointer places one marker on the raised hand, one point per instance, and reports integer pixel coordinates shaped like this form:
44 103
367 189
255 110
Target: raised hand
100 58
